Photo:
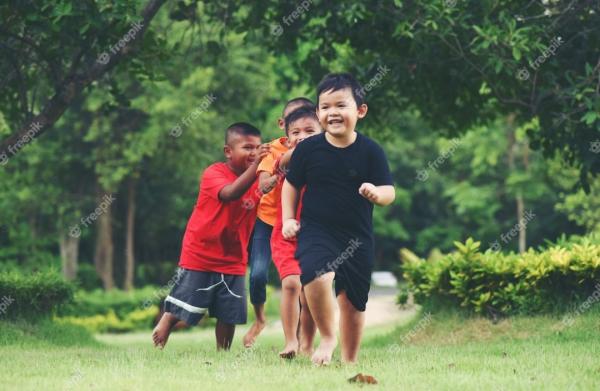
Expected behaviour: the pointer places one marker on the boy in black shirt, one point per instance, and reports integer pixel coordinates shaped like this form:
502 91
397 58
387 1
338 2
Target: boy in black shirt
345 173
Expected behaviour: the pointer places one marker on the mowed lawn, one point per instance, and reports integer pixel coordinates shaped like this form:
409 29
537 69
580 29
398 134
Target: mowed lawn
439 352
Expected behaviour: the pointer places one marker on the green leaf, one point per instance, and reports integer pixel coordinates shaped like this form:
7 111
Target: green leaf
516 53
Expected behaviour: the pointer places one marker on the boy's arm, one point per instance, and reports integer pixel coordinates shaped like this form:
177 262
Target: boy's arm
379 195
289 205
266 181
237 188
284 160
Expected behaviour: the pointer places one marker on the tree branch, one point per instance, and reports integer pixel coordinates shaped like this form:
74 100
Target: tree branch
71 87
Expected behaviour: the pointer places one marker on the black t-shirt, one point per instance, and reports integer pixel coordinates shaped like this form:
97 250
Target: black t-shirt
332 177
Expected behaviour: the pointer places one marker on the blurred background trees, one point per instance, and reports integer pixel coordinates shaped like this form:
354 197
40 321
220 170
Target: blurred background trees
482 123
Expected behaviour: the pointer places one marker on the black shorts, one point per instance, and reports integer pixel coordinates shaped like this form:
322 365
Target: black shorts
350 259
195 293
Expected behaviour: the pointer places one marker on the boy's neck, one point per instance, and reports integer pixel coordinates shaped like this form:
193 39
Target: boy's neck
236 171
341 141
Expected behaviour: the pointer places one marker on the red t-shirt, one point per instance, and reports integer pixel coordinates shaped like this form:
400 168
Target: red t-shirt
217 234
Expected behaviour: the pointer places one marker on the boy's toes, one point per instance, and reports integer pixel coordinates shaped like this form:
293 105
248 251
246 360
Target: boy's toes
321 359
290 354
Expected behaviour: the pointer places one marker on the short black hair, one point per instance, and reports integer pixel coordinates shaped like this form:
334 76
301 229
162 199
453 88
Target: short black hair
300 101
339 81
242 128
302 112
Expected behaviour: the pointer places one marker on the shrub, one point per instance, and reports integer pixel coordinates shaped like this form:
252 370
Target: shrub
100 302
141 318
34 295
494 283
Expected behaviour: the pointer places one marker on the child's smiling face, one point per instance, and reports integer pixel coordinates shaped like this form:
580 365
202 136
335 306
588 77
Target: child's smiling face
241 151
338 112
301 129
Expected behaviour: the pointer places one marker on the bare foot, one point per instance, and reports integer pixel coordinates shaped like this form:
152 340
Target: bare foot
290 350
254 331
161 332
306 351
324 352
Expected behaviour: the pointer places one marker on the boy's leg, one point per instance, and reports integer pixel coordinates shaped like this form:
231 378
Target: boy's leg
307 329
184 302
163 328
224 333
260 256
290 314
351 328
322 306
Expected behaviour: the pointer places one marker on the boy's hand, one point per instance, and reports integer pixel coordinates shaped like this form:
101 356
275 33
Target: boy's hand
290 228
263 151
370 192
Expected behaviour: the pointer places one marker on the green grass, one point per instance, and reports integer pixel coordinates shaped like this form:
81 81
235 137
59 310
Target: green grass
449 352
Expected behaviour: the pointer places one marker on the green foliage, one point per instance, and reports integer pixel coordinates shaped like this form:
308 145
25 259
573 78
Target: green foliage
34 296
493 283
120 303
139 319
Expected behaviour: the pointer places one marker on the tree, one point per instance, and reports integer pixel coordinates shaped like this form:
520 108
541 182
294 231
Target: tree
72 45
460 63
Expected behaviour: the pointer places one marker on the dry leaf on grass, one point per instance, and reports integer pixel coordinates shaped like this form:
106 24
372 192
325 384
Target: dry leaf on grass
360 378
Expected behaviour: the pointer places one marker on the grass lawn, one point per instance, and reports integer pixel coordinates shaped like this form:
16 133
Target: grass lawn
444 352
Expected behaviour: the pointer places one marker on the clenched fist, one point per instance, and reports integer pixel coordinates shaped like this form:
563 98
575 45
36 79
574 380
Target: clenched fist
369 191
290 228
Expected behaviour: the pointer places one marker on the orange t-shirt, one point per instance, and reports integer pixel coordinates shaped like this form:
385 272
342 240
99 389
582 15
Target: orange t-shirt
267 209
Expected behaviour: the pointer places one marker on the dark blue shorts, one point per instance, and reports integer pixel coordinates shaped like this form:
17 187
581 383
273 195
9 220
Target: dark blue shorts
351 259
222 296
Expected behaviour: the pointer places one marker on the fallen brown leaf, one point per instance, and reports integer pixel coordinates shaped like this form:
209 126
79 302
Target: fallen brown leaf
360 378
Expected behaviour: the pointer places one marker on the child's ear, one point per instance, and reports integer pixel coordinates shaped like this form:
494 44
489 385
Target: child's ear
281 123
362 110
227 151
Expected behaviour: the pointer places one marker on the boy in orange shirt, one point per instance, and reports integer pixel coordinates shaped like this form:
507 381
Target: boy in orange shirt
259 249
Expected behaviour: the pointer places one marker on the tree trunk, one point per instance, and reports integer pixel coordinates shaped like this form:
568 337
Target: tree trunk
104 253
129 239
522 223
69 254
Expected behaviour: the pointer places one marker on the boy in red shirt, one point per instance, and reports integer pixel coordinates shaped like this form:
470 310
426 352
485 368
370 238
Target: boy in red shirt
214 251
300 124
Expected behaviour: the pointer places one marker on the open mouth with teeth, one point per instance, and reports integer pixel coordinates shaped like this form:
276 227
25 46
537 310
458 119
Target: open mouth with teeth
335 122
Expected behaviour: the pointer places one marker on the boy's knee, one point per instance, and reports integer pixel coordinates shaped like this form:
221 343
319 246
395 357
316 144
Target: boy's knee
291 285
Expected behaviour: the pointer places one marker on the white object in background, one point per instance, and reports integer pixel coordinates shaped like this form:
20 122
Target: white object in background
384 279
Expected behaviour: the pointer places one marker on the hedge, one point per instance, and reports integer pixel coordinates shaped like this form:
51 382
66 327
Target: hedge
34 295
493 283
